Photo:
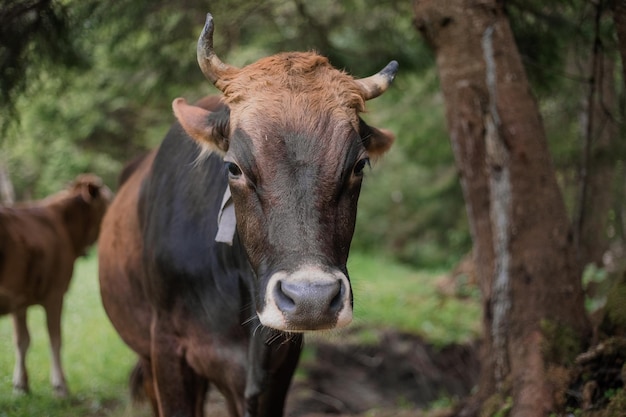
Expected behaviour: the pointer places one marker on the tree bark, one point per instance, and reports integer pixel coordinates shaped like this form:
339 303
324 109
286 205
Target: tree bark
526 265
599 129
619 16
7 193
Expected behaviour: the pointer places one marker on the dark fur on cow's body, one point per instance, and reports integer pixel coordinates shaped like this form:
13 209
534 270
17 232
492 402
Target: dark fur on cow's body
39 243
287 140
203 291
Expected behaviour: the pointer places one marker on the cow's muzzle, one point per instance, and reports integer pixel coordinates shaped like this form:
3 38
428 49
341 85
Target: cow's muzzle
310 298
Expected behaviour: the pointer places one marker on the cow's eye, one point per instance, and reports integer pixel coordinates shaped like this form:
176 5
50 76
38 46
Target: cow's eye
234 171
360 166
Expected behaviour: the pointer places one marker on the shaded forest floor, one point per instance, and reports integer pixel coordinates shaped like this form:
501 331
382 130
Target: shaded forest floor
397 373
403 376
391 374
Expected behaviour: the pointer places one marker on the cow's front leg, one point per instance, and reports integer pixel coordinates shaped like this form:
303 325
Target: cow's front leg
21 339
180 392
53 310
273 357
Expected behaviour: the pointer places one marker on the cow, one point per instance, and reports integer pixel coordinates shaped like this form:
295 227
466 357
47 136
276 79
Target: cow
39 243
228 242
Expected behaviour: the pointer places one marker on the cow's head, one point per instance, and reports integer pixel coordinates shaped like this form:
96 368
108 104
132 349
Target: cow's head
82 205
295 149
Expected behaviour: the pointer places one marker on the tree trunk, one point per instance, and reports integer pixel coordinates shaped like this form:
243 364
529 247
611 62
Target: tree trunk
7 194
619 15
599 130
529 277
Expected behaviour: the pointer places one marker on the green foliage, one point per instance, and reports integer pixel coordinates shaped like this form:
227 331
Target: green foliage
596 284
444 402
617 404
411 206
505 409
412 213
34 34
498 405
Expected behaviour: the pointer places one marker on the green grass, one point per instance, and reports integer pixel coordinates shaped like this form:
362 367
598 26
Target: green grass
388 294
97 363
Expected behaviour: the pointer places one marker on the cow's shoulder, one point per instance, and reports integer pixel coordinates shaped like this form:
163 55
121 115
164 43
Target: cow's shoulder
179 205
183 183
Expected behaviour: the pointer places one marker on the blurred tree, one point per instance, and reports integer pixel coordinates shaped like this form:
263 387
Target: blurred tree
34 34
619 8
7 194
568 49
599 133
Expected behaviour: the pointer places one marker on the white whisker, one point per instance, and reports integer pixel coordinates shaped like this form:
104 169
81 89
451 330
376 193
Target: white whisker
250 320
256 328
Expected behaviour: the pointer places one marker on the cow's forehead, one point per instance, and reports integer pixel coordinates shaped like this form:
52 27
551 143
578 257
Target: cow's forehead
292 87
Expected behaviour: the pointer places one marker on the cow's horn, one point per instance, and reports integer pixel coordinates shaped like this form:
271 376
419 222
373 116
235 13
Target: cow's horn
212 67
375 85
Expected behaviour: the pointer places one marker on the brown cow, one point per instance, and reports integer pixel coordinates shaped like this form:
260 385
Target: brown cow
39 243
210 288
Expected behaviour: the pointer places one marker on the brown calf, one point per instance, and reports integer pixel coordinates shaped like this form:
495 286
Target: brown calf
39 243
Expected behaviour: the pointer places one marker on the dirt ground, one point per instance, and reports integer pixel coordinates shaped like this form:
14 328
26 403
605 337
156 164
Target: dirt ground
396 374
400 375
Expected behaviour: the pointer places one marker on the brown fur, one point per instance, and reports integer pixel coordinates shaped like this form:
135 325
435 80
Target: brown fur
282 83
121 228
39 243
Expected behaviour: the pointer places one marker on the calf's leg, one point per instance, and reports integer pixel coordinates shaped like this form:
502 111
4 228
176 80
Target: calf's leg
21 339
53 320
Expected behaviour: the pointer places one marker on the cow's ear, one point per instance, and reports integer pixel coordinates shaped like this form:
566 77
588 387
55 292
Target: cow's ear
88 186
208 131
376 141
90 191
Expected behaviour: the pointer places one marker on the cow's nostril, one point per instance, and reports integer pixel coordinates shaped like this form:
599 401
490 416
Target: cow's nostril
285 298
336 303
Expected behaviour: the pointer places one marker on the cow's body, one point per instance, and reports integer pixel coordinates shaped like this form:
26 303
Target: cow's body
200 311
39 243
203 287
